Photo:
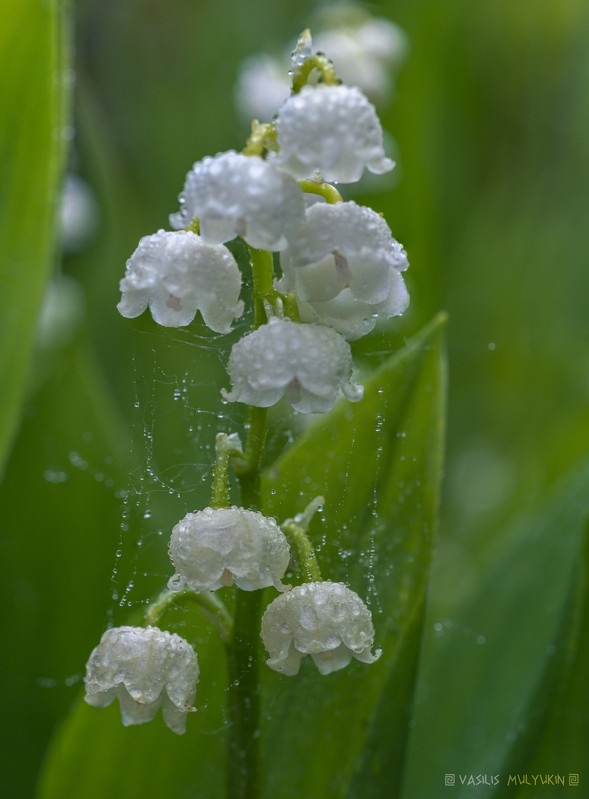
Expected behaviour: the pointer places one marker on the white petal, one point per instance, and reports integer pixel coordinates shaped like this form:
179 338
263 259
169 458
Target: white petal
178 274
139 665
332 129
308 363
215 546
237 195
323 619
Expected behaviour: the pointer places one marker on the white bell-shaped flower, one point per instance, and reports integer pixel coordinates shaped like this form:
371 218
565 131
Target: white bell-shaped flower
233 194
178 274
307 364
344 269
330 130
144 668
364 52
325 620
215 547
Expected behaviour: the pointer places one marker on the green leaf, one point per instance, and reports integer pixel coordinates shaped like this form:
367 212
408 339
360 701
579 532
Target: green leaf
31 120
61 521
503 681
378 465
557 743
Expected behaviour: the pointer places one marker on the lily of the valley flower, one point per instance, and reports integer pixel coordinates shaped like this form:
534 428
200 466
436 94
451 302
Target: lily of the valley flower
215 547
307 364
178 273
238 195
144 668
344 269
325 620
332 131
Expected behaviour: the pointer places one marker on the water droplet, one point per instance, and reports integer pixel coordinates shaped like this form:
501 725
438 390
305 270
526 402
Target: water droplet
54 476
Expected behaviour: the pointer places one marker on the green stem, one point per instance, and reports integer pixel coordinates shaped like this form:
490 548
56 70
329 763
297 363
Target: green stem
208 603
296 533
244 651
325 190
227 449
319 62
263 279
262 137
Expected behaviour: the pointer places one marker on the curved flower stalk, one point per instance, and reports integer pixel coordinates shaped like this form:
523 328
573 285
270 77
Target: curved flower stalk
178 274
332 131
144 668
306 364
344 269
233 194
325 620
219 546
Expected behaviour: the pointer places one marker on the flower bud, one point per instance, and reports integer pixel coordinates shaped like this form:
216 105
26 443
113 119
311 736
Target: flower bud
325 620
143 667
219 546
307 364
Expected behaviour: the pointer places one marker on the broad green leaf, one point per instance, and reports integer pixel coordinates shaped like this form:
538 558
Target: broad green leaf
61 521
492 673
31 122
557 744
378 466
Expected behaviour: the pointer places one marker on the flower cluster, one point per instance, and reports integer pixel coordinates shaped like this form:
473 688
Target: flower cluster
145 668
340 267
340 270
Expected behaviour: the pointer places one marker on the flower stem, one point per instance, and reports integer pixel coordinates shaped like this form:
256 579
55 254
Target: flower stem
329 193
207 602
244 651
319 62
296 533
263 279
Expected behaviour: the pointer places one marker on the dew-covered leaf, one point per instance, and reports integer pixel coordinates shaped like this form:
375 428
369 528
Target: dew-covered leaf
503 681
31 119
377 464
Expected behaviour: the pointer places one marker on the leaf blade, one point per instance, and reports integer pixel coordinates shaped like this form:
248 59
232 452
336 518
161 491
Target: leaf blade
32 113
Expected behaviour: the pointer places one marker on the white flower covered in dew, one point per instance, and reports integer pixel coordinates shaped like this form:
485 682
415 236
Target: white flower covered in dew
144 668
238 195
307 364
325 620
215 547
332 131
344 269
178 274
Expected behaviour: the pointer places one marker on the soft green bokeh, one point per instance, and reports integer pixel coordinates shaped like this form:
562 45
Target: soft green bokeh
491 122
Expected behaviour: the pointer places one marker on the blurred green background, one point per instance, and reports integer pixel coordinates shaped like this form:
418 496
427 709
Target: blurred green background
491 121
